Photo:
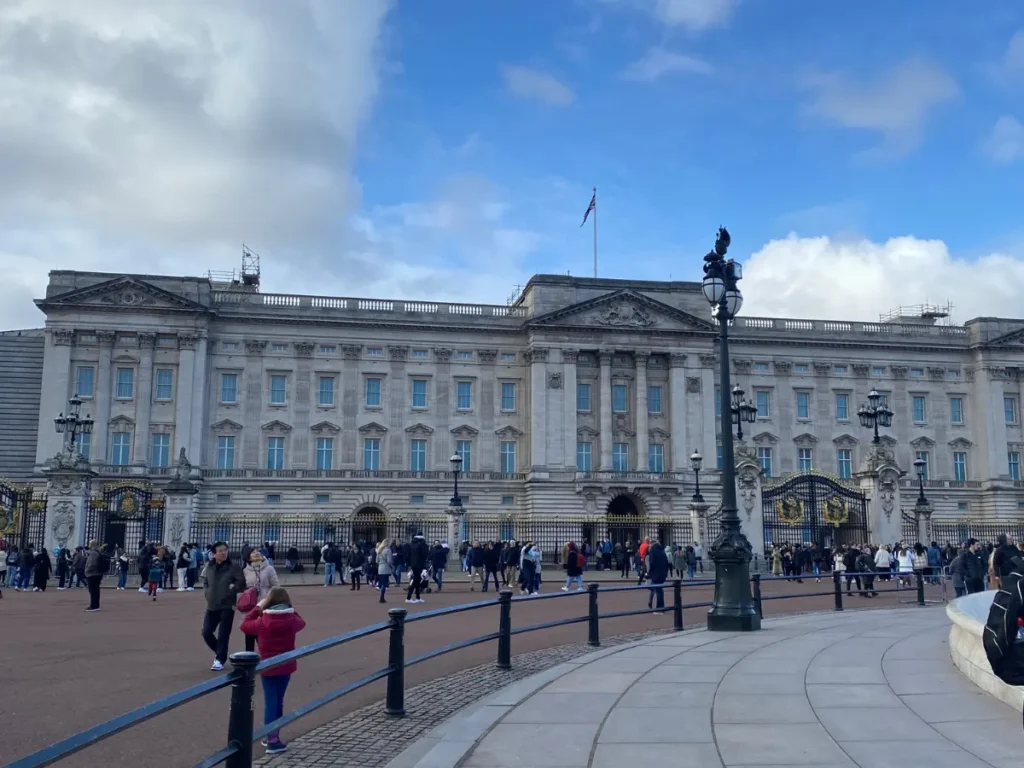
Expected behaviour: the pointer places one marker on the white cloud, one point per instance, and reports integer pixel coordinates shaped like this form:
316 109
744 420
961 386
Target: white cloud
695 15
533 84
896 106
1008 70
859 279
1005 142
659 62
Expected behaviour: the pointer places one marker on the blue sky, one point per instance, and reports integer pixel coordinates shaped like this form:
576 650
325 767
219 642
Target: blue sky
862 155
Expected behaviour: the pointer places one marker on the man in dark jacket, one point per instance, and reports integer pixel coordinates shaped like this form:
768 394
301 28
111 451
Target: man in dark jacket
418 554
865 563
492 557
657 572
1002 560
96 565
438 560
223 581
476 564
25 562
974 567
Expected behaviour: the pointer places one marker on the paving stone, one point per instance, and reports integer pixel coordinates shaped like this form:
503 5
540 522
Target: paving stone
755 744
757 683
698 673
762 708
846 696
936 754
673 695
563 708
645 755
553 745
657 725
885 724
955 707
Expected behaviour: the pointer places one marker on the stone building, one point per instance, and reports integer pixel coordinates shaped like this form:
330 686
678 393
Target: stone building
584 397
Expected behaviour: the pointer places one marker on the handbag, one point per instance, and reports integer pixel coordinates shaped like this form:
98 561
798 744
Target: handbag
248 599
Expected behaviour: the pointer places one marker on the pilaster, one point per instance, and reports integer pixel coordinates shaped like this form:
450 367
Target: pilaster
68 488
104 396
605 357
538 357
878 478
748 495
144 398
642 438
568 431
186 373
677 382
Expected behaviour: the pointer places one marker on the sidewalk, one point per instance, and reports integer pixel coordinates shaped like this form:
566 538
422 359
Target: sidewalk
838 689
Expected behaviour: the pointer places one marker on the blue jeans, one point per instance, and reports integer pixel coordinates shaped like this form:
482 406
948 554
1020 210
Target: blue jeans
691 571
274 687
439 577
328 575
398 574
570 579
122 578
658 592
817 570
24 574
12 575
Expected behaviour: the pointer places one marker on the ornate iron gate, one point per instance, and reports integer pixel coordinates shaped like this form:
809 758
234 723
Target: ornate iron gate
125 514
22 516
908 528
814 507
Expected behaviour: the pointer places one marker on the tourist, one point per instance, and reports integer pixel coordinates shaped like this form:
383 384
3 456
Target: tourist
42 568
400 556
906 566
78 566
698 552
438 560
974 567
26 563
260 576
838 565
535 557
222 582
195 557
1002 556
184 558
573 568
475 558
492 560
417 568
510 562
385 564
155 574
274 623
97 564
656 567
11 562
866 565
62 567
816 558
883 562
329 556
850 565
356 561
144 556
168 568
121 563
957 569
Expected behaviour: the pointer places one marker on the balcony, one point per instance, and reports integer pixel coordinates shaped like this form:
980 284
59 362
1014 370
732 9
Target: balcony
912 483
360 474
882 332
635 477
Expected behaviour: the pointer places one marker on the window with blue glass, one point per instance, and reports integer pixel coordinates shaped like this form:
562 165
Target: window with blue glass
371 454
229 387
86 381
164 384
956 410
325 453
620 457
125 383
278 389
764 403
656 457
923 456
84 444
373 393
584 457
620 398
1010 410
325 391
764 458
418 455
226 452
842 407
275 453
464 395
803 405
844 461
161 450
959 466
419 393
508 456
805 460
120 448
464 450
272 531
508 396
654 399
919 409
582 397
1013 461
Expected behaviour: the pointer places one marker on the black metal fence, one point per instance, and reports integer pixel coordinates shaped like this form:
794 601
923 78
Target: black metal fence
124 514
242 733
812 507
22 516
956 532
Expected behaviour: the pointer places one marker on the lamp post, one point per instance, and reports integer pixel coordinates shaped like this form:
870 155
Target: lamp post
695 461
73 424
919 466
742 411
922 508
733 609
875 414
456 461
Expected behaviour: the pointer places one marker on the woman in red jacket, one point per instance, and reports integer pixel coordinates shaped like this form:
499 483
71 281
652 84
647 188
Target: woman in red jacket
275 624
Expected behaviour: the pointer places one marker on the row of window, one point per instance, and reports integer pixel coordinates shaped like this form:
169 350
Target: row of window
620 398
841 370
620 457
121 448
124 383
272 529
328 350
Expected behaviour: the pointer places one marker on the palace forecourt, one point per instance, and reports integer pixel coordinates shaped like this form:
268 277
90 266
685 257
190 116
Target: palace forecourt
223 412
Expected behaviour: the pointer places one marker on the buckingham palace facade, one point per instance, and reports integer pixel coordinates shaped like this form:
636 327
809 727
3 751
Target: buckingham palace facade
584 396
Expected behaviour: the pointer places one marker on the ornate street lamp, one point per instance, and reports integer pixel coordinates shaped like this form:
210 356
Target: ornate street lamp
695 461
743 412
733 608
456 461
73 424
875 414
919 466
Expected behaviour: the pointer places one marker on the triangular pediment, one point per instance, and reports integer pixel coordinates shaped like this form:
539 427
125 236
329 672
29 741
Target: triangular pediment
420 429
845 440
508 431
325 426
276 426
120 293
226 425
464 430
805 439
1013 338
125 422
766 437
373 428
625 310
922 442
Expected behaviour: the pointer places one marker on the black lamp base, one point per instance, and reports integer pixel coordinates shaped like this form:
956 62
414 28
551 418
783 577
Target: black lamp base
733 609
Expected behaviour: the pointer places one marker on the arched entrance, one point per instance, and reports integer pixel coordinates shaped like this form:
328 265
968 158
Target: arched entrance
369 524
626 517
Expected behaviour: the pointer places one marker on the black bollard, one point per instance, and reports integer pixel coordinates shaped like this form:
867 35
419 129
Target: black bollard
240 718
593 633
395 701
755 590
505 629
677 605
920 586
837 580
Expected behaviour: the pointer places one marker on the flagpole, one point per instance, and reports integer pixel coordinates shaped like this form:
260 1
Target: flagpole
595 231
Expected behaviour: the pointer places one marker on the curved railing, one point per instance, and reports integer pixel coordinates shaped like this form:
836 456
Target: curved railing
238 752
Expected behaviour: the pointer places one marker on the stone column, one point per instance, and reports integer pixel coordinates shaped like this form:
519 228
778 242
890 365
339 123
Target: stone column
606 410
486 459
748 496
396 405
642 437
677 402
104 396
183 412
447 401
709 418
196 399
299 442
351 383
538 357
454 515
698 515
144 398
179 511
54 392
68 488
878 477
568 438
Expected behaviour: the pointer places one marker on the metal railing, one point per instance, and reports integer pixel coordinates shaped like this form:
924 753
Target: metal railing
242 733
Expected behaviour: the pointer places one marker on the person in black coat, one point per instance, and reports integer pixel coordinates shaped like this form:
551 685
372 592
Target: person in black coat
418 554
492 557
438 560
974 567
657 572
356 561
43 567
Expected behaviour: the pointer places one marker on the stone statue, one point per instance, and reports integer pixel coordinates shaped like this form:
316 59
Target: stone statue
183 467
722 242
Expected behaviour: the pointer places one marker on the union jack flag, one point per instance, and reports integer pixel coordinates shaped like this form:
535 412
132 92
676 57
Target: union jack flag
591 207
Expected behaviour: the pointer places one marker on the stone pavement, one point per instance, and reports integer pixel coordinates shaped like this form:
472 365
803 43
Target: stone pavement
860 688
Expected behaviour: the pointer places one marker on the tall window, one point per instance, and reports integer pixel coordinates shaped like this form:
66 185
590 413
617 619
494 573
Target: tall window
161 451
278 388
582 397
229 387
719 458
805 460
764 404
371 454
325 453
923 456
508 456
84 386
120 448
226 452
956 410
325 391
84 444
654 399
373 393
508 396
584 457
464 395
842 407
764 458
919 409
1010 410
164 384
619 398
464 450
803 405
620 457
275 453
656 457
844 459
419 393
718 403
960 466
125 383
1013 460
418 455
